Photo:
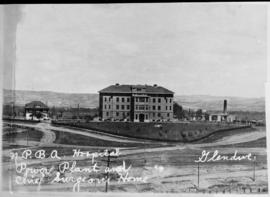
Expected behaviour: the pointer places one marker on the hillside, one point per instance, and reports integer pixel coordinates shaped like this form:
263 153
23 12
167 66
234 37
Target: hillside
56 99
213 103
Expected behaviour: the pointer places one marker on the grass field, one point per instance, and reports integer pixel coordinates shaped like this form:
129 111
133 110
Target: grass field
173 132
170 167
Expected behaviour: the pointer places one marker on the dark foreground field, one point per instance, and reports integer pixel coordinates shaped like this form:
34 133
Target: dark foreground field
169 167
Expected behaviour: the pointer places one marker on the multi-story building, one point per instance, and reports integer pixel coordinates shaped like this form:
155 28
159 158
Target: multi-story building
137 103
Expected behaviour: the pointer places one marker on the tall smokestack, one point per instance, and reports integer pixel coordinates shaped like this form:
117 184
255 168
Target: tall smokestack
225 107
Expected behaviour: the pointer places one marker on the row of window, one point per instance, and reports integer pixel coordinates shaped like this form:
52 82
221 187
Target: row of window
138 107
125 114
123 99
153 100
118 114
117 107
146 107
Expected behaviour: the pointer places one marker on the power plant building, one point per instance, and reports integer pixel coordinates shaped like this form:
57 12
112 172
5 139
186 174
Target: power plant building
222 117
136 103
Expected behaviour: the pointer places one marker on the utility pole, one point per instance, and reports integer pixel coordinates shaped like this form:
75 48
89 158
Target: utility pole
27 137
108 165
78 110
198 175
254 165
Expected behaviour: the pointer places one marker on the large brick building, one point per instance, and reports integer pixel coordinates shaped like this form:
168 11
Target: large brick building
138 103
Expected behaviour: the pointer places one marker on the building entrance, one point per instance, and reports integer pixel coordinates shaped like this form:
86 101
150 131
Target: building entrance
141 117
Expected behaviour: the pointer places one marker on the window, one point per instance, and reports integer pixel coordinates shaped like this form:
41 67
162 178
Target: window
166 107
141 99
154 107
107 113
146 99
159 107
105 99
146 116
117 99
146 107
127 99
117 106
168 114
154 100
136 107
117 113
136 99
170 100
170 107
158 114
123 106
127 106
159 100
127 113
123 99
109 106
141 107
104 106
136 117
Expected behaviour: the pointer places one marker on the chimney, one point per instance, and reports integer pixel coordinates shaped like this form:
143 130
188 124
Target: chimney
155 85
225 107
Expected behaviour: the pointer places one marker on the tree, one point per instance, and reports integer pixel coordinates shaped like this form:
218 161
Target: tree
178 111
199 113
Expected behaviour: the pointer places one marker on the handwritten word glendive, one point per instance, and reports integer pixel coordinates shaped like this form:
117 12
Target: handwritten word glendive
215 156
93 155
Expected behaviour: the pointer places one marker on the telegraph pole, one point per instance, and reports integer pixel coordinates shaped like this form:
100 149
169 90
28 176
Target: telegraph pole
108 165
78 111
27 137
198 175
254 165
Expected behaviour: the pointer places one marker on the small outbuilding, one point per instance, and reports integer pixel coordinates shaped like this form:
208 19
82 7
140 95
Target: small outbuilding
36 110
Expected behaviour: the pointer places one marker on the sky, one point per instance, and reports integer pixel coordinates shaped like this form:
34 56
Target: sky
210 49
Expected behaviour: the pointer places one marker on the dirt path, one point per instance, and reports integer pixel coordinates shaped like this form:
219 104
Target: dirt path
48 135
235 139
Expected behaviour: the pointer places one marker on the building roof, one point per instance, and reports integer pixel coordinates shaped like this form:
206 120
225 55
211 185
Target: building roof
128 89
36 104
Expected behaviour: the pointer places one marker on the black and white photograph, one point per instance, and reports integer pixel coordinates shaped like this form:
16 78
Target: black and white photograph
163 98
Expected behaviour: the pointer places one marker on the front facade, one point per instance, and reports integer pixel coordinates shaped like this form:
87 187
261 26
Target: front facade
137 103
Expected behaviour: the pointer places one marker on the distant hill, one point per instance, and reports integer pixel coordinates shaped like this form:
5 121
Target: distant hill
57 99
215 103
